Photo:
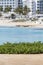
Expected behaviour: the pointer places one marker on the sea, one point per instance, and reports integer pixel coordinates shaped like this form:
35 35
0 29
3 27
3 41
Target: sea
20 34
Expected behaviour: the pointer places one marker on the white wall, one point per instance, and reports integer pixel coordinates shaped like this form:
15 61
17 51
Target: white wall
32 5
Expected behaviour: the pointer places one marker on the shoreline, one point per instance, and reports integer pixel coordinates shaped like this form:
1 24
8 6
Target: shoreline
10 23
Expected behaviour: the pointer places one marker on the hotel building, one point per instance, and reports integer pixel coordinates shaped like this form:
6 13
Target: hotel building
35 5
32 5
40 7
12 3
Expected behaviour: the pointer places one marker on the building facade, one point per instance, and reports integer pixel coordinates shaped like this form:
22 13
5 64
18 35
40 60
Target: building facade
10 3
40 6
32 5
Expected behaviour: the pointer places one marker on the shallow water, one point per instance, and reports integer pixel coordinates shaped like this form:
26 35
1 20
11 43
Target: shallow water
20 34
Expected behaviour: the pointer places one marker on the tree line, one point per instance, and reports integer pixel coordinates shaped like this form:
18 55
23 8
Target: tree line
21 48
19 9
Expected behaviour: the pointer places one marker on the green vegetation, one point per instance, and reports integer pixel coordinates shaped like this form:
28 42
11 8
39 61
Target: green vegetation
0 14
13 16
1 8
22 10
21 48
34 19
19 10
38 12
7 9
26 10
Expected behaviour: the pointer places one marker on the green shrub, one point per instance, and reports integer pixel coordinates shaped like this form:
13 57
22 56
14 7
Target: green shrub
21 48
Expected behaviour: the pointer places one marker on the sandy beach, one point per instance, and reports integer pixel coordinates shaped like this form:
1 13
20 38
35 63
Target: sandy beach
11 23
36 59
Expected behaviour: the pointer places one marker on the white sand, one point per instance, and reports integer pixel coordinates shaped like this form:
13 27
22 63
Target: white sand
36 59
6 22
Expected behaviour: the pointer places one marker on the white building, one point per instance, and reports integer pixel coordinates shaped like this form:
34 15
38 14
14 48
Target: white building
12 3
32 5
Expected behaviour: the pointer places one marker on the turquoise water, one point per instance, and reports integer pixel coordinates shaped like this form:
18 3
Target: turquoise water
20 34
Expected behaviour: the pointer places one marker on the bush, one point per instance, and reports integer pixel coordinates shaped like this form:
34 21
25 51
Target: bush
21 48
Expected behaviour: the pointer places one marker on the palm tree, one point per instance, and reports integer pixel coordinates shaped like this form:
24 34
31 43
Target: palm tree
13 16
19 10
38 12
1 8
26 10
0 14
7 9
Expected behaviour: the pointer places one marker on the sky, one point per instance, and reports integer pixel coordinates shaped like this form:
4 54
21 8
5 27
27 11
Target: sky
23 0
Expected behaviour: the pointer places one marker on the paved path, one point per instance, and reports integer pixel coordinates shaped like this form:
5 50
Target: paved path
21 59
